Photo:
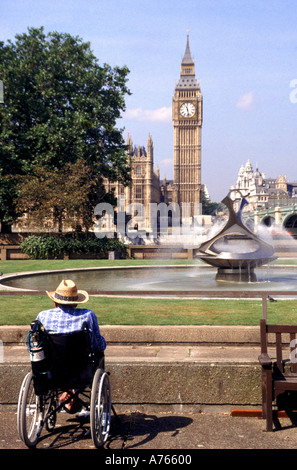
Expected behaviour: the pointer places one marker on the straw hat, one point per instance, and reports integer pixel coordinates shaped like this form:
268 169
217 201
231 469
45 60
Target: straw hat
67 293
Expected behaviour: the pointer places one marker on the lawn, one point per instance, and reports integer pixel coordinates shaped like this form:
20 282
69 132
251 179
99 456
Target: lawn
17 266
22 309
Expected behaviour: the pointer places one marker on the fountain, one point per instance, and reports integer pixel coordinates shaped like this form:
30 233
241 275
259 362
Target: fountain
236 251
231 255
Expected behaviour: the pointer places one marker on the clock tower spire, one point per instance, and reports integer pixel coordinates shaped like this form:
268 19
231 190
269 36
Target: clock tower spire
187 123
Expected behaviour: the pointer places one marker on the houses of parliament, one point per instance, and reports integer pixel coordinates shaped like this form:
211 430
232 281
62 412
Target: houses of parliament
146 187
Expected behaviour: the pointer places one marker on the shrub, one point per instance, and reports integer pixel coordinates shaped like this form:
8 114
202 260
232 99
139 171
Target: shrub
45 247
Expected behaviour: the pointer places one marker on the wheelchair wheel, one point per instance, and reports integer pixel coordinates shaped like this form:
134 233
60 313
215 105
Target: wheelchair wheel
30 413
100 409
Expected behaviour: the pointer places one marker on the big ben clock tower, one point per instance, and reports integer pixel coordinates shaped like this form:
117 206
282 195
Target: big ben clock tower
187 123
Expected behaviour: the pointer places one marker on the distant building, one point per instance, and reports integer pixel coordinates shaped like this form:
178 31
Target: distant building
187 116
259 190
145 187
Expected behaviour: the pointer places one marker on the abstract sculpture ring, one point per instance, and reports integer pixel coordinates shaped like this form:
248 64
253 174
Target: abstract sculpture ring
235 250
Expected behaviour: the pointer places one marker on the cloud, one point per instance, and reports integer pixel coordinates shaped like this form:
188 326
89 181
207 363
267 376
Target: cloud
246 101
153 115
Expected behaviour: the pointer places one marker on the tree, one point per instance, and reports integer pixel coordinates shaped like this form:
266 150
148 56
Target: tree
46 198
60 106
208 207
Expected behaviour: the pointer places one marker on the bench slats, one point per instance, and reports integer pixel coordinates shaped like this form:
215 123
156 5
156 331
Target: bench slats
281 328
279 351
275 377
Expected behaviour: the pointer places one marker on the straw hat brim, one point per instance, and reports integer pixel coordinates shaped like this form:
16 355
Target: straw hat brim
82 297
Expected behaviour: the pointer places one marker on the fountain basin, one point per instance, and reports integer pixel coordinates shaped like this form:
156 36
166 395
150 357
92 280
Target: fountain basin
155 280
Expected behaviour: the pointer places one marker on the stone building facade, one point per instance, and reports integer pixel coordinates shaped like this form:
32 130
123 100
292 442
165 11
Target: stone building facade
261 191
145 188
187 125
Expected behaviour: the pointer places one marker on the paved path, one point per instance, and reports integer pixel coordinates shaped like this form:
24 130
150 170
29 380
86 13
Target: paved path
166 430
159 353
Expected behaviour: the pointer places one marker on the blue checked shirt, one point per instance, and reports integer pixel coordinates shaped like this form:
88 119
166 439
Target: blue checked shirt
66 319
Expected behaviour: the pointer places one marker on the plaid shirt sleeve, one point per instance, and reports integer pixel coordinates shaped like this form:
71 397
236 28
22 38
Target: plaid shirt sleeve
99 343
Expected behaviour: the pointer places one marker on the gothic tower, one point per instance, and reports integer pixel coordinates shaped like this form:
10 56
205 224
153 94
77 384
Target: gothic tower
187 123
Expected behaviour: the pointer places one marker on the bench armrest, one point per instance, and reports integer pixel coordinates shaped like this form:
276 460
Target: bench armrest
265 360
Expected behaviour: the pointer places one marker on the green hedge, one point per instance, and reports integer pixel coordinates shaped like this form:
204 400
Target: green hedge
46 247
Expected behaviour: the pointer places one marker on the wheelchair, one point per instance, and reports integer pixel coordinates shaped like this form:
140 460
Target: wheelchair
63 363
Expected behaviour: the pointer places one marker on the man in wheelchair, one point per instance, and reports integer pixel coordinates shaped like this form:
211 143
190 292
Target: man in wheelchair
67 356
66 318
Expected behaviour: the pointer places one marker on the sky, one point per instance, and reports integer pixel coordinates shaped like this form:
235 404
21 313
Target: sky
245 54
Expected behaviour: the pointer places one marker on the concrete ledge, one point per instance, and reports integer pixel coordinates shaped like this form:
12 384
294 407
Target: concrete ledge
182 334
195 366
115 334
164 384
186 384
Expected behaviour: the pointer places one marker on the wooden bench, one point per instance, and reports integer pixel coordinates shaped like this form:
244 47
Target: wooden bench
279 372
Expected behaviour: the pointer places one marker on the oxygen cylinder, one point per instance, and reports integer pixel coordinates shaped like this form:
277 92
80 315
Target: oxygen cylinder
36 350
38 358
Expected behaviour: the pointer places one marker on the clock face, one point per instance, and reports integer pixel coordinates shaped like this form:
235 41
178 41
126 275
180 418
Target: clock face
187 110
